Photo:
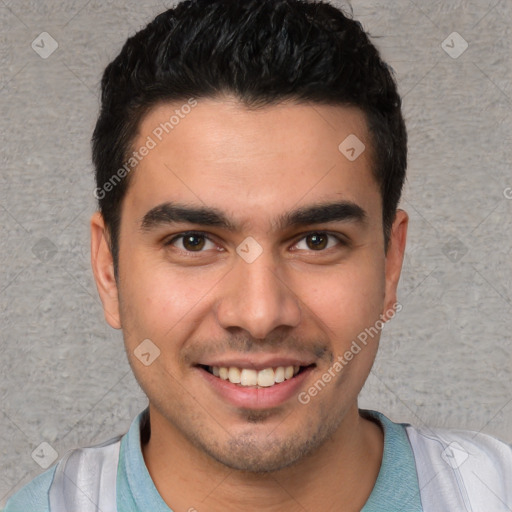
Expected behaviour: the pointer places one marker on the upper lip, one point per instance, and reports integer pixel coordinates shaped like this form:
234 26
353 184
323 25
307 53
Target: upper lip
257 362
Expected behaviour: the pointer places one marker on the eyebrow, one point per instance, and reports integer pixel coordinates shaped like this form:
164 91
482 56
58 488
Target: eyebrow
170 213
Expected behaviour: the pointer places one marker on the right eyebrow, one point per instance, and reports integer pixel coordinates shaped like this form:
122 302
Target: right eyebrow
171 213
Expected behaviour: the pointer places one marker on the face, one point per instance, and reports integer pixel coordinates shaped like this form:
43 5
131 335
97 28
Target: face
251 248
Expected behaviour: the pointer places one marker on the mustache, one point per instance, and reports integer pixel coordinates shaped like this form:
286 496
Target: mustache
243 343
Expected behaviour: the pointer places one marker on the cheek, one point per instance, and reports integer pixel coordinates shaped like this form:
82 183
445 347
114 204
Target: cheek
157 297
347 299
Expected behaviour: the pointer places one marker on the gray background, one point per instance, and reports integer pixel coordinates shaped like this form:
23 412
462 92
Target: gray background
445 360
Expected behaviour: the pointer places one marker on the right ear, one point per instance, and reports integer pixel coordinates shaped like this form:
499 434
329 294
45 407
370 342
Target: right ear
103 269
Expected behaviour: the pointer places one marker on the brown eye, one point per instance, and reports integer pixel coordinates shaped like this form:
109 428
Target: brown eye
191 242
317 241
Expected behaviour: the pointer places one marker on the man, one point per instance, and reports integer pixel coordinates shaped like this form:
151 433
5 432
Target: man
249 159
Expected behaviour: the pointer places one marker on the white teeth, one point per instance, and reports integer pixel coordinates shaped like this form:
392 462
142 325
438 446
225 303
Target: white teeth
249 377
234 375
279 374
266 378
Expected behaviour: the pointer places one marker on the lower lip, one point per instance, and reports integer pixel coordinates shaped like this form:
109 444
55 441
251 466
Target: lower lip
256 398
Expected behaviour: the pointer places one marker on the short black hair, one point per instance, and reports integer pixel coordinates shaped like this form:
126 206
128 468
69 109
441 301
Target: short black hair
262 52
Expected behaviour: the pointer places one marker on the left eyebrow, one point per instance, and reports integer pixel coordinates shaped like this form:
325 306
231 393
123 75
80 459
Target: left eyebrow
169 213
343 211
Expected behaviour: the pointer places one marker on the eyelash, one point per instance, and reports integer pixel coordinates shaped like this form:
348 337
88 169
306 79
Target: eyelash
341 241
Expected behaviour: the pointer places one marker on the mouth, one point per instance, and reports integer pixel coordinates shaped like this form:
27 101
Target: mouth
251 378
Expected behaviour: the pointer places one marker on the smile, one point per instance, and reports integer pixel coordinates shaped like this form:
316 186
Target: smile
248 377
255 384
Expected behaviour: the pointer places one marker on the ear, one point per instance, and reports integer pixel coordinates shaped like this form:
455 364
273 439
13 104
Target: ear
394 260
103 269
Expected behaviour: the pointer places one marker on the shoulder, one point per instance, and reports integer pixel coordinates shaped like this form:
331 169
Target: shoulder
455 447
462 465
33 496
101 459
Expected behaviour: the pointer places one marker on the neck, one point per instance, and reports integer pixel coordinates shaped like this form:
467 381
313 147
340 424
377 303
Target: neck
339 476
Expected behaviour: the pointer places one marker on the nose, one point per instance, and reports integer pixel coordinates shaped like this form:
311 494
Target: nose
257 298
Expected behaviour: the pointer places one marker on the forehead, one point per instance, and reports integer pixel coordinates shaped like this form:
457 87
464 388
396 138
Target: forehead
254 163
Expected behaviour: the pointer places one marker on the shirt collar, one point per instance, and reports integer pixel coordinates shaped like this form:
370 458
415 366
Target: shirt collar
397 486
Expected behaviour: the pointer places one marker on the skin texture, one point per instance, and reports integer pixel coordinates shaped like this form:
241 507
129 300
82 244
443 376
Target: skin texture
293 300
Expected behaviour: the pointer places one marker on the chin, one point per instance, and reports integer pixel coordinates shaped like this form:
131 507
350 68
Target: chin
264 454
252 460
